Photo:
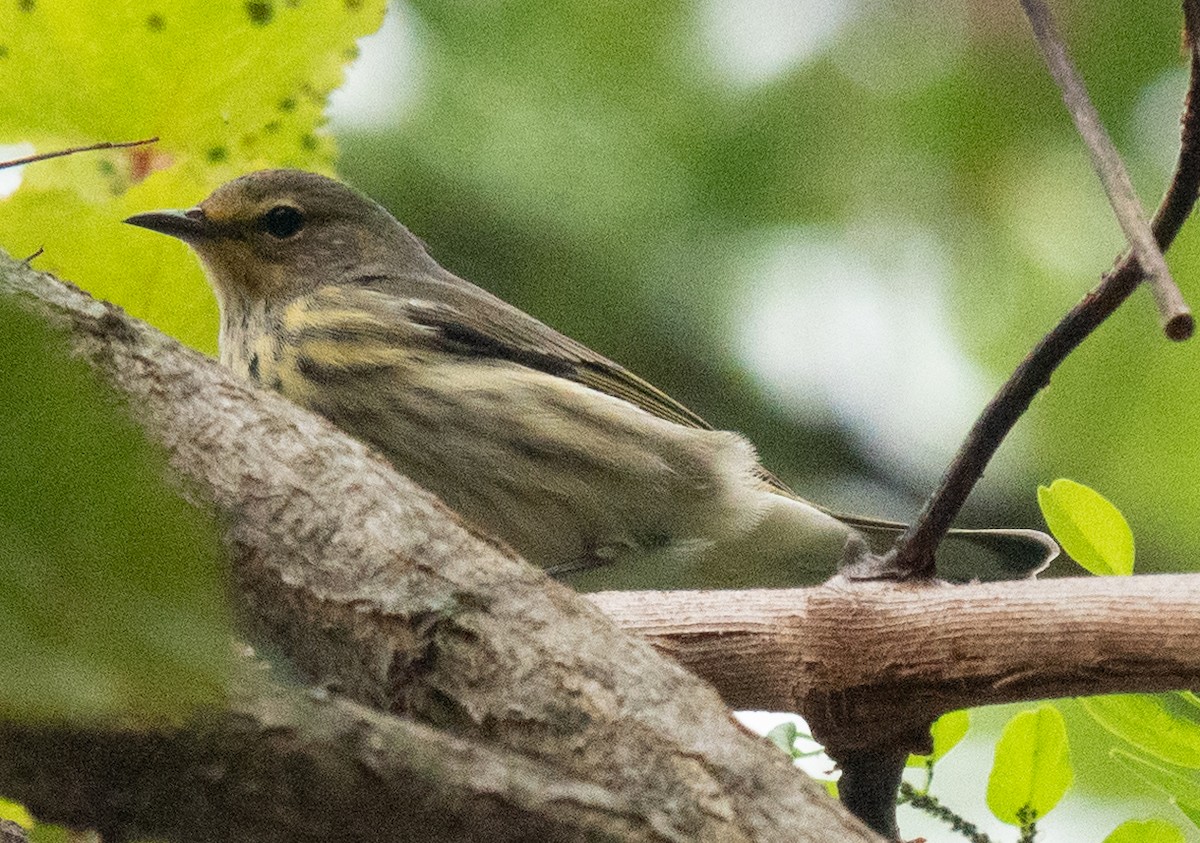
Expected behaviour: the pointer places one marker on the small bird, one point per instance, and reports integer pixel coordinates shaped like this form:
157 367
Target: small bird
577 463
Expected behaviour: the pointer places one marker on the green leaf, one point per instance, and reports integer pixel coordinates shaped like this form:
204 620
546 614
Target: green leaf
227 86
16 812
1032 768
946 732
1089 527
1154 723
47 833
112 603
1145 831
784 736
1192 812
1184 790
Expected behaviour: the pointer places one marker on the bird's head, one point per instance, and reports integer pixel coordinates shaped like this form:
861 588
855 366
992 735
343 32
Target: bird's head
278 233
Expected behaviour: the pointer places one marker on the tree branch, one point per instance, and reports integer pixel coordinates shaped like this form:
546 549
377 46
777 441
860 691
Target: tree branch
293 765
369 584
74 150
870 664
913 556
1173 312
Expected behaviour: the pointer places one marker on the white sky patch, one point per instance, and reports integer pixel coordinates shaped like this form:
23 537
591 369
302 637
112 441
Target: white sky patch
819 766
10 178
755 41
384 81
855 330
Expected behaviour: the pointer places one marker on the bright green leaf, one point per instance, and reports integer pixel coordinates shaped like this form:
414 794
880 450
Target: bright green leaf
1153 723
112 602
228 86
946 732
1089 527
1032 769
1145 831
1184 790
16 812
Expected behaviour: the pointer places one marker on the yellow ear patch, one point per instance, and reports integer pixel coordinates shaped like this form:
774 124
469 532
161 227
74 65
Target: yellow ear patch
236 203
223 208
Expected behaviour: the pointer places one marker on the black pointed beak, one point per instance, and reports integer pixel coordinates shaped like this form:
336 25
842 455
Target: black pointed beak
189 226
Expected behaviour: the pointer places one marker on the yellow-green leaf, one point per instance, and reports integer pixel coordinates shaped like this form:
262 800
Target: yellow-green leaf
1088 526
946 732
1032 768
16 812
1151 722
228 86
1145 831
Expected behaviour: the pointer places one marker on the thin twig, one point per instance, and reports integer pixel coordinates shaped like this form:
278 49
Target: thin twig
29 260
58 153
927 804
1174 314
913 555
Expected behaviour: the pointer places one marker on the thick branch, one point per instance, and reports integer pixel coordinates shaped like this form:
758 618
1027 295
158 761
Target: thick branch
291 765
368 583
868 664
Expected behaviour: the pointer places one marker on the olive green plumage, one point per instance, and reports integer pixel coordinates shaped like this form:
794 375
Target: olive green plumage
580 465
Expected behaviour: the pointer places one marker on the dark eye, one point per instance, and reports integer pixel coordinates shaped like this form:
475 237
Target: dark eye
282 221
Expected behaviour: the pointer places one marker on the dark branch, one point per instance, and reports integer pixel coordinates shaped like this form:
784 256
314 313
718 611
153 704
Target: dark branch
913 556
290 764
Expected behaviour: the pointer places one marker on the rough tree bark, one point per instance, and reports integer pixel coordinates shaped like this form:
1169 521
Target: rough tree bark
374 589
916 651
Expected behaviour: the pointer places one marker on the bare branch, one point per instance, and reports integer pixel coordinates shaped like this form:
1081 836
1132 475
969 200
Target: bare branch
913 556
1176 318
866 665
290 764
58 153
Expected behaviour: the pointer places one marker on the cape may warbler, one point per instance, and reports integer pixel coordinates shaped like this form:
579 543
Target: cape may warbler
580 465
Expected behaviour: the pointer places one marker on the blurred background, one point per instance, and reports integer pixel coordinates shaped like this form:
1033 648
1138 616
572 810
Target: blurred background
833 226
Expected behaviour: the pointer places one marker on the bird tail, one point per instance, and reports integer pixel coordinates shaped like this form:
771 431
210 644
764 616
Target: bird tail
999 554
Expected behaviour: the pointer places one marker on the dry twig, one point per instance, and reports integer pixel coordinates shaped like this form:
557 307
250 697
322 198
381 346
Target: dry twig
59 153
913 556
1176 318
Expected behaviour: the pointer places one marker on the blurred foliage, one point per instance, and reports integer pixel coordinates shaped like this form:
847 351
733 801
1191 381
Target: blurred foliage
1145 831
1182 788
112 605
660 182
1166 726
227 87
613 174
16 813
